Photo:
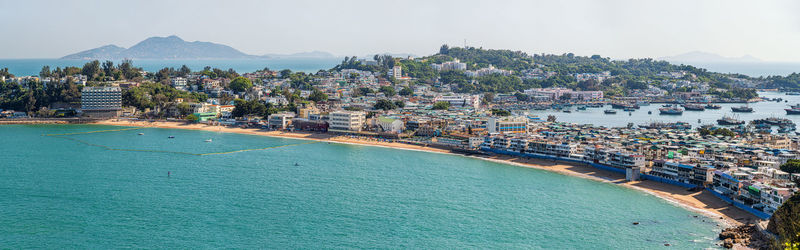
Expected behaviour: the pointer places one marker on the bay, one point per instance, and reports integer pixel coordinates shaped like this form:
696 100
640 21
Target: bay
64 192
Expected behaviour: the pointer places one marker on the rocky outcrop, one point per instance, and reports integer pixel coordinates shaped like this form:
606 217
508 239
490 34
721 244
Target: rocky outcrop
744 235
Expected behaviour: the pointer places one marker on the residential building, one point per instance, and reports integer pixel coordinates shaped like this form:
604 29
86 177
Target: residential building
101 101
347 120
507 125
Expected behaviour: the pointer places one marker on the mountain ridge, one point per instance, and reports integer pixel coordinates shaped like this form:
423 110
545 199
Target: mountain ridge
171 47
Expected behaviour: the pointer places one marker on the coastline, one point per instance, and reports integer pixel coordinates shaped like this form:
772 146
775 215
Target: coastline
702 202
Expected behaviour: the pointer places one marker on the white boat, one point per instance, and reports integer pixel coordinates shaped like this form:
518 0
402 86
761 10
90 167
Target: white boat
209 140
141 133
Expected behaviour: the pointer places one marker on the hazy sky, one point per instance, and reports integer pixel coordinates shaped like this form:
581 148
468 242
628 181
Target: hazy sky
766 29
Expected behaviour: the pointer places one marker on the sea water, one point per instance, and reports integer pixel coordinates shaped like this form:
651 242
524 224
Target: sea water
112 189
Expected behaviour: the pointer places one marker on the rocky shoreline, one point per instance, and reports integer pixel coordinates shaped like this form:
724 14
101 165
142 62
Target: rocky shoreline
747 235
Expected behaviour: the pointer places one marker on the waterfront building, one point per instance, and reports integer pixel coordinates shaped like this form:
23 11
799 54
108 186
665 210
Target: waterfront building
280 120
347 121
556 93
391 125
101 101
507 125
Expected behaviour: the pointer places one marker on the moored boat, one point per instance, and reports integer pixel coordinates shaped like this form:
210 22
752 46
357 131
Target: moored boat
727 121
713 106
694 107
610 111
742 109
670 111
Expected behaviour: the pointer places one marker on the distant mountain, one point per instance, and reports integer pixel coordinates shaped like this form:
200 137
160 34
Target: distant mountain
171 47
396 55
108 51
312 54
699 56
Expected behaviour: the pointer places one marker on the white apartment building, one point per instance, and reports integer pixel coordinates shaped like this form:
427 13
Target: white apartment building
471 101
347 120
179 83
507 125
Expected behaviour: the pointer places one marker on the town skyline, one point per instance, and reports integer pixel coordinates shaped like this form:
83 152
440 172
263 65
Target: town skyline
615 29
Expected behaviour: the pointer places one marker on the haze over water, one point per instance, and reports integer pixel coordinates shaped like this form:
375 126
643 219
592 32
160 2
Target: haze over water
59 192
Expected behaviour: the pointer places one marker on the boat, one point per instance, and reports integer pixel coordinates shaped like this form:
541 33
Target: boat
649 112
567 111
793 111
629 109
727 121
795 106
581 107
595 105
623 106
141 133
713 106
670 111
610 111
208 140
643 103
786 129
742 109
170 137
792 93
694 107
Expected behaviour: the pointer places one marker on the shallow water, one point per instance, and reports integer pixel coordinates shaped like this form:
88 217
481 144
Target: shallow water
58 192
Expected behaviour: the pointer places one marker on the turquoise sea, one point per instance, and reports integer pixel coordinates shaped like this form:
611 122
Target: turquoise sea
111 190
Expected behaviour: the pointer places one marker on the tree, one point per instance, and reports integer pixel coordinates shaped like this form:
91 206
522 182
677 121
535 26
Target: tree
184 70
791 166
406 91
487 98
384 104
444 49
501 112
387 90
441 105
192 118
400 104
246 108
240 84
785 222
317 96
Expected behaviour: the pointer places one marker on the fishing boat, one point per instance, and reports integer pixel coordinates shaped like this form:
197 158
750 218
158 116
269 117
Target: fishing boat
694 107
792 93
713 106
610 111
670 111
793 111
727 121
742 109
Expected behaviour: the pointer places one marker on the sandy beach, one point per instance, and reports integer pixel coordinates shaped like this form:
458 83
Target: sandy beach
700 201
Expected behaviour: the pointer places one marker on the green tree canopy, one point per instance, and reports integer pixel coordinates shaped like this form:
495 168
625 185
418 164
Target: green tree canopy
240 84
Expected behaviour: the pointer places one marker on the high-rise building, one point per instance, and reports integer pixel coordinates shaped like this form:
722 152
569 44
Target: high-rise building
396 72
101 101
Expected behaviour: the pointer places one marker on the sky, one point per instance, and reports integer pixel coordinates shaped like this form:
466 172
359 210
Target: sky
766 29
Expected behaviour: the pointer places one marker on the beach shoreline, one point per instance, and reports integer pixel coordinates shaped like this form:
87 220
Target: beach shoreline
702 202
